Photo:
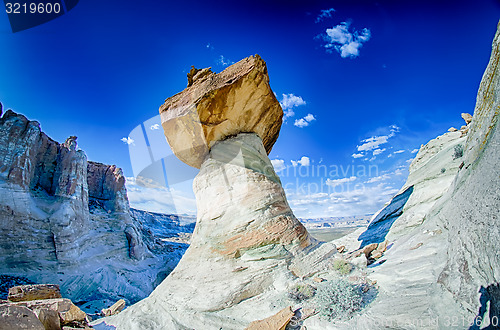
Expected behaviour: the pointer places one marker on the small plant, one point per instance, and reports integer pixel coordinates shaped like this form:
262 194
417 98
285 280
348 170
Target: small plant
342 266
443 170
338 299
302 292
458 151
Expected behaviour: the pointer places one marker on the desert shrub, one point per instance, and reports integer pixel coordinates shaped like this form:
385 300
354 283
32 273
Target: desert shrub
458 151
342 266
443 170
302 292
338 299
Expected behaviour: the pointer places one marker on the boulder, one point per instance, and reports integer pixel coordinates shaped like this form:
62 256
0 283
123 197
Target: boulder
18 317
382 247
278 321
49 318
34 292
467 117
360 261
115 309
367 250
452 129
216 106
67 311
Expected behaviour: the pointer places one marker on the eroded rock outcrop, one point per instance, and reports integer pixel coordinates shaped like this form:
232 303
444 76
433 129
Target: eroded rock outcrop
442 268
472 211
67 220
246 242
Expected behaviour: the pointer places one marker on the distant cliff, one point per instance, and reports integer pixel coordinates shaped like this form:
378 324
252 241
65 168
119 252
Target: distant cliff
66 220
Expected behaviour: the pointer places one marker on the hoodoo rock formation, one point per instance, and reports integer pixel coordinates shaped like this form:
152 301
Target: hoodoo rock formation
246 239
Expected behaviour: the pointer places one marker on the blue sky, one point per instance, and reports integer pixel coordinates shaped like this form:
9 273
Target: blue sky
367 82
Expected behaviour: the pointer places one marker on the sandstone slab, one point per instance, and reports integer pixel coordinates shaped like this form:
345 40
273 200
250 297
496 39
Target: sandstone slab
116 308
67 311
216 106
279 321
34 292
467 117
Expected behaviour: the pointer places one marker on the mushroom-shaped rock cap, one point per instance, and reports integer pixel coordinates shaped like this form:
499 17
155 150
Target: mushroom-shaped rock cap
216 106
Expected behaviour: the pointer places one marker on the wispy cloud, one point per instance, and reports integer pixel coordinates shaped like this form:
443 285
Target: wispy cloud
224 61
375 142
155 127
290 101
303 122
345 202
345 42
414 151
379 178
378 151
159 199
304 161
337 182
127 140
357 155
399 151
325 13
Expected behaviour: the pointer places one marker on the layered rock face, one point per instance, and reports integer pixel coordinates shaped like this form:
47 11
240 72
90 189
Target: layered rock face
443 267
66 220
246 242
474 201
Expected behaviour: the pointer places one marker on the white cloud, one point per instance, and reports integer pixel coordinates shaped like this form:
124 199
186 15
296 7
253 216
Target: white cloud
127 140
414 151
379 178
303 122
224 61
374 142
278 164
304 161
325 13
346 43
337 182
345 202
309 117
378 151
399 151
290 101
155 126
357 155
